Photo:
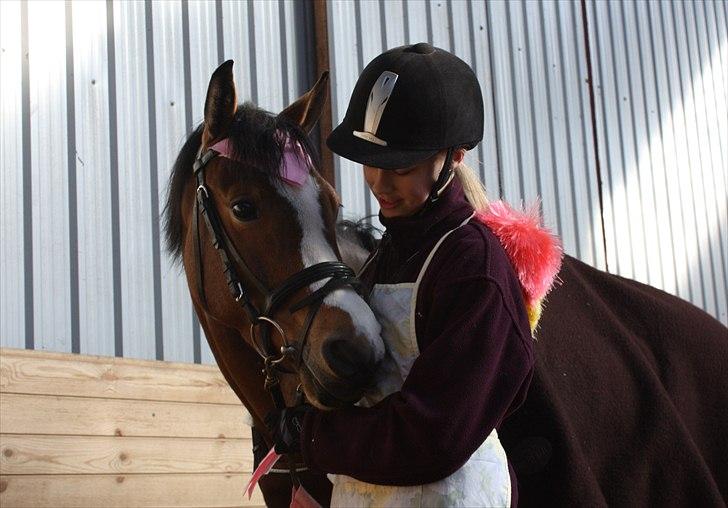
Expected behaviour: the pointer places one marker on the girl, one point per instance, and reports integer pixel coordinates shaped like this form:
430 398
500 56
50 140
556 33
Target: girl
459 347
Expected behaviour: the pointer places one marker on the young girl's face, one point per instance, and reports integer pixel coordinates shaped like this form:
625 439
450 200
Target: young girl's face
402 192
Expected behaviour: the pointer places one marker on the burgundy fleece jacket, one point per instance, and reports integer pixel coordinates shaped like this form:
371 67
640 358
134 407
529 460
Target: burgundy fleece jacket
475 364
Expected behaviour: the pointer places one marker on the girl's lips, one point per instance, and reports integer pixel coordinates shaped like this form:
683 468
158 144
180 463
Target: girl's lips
387 204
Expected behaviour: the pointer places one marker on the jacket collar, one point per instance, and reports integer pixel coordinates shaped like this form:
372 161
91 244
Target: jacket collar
407 235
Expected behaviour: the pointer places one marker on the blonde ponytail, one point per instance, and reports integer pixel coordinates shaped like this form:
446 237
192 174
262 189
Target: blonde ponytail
473 187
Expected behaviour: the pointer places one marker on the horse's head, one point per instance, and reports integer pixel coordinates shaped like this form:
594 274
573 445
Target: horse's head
254 191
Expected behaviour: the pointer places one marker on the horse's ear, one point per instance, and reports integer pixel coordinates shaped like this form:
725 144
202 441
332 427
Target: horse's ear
308 108
220 104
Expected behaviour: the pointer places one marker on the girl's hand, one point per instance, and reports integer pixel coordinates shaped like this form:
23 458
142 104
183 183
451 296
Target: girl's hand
285 427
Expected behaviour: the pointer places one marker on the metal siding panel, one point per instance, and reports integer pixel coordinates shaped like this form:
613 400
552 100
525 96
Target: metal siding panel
692 178
203 55
719 70
588 151
51 257
693 82
614 212
691 269
440 24
237 45
417 21
334 96
524 169
203 61
565 30
648 255
488 149
135 206
721 25
669 155
505 101
717 45
267 34
630 185
464 47
350 180
652 125
371 47
171 131
394 23
711 149
93 170
546 111
12 248
293 45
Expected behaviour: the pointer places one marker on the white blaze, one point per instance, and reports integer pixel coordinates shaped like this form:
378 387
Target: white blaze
315 249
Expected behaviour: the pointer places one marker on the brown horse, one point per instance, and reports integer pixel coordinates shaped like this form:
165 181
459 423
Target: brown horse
259 250
629 398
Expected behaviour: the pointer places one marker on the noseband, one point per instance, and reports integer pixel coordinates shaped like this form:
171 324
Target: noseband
262 322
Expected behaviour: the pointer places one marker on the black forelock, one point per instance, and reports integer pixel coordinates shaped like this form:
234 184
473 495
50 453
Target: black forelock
257 139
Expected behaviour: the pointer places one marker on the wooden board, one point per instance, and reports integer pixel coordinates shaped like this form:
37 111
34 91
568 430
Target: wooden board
96 431
85 416
24 454
188 490
44 373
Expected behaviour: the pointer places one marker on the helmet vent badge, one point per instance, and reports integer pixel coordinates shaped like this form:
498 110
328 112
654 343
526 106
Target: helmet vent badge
378 99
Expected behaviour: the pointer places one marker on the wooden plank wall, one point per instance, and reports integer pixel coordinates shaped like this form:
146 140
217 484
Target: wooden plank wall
101 431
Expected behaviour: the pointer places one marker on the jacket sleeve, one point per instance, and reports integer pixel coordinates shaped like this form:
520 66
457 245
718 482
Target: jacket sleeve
475 368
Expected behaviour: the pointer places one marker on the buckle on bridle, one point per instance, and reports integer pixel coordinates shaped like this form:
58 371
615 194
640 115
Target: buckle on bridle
202 188
241 293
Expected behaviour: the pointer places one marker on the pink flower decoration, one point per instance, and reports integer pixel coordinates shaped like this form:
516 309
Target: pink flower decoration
295 165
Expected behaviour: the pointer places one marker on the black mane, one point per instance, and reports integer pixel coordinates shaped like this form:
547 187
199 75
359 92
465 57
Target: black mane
256 140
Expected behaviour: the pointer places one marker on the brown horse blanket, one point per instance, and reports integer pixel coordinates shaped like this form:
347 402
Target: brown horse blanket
629 401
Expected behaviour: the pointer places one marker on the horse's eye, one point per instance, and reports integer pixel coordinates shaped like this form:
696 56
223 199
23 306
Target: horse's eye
245 211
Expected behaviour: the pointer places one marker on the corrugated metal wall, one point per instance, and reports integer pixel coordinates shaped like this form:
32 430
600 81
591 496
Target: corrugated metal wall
92 120
660 81
529 57
93 117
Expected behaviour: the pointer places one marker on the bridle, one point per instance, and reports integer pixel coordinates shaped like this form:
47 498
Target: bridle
262 322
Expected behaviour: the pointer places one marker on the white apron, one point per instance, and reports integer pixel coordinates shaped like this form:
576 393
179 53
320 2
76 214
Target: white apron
482 481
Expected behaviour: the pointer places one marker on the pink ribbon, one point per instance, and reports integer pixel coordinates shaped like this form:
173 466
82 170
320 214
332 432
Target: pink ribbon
300 498
263 469
295 165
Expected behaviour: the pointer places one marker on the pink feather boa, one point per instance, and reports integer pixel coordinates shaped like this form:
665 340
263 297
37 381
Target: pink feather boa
533 250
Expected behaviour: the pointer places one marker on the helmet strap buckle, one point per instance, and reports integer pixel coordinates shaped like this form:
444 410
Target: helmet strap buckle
442 180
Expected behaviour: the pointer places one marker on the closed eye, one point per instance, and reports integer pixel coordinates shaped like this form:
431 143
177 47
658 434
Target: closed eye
404 171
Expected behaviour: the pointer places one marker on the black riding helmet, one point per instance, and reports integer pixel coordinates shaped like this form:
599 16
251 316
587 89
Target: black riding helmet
408 104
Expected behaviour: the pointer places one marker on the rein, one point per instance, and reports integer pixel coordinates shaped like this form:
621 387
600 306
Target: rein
339 275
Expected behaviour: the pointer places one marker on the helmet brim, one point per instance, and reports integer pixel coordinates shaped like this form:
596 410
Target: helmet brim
342 142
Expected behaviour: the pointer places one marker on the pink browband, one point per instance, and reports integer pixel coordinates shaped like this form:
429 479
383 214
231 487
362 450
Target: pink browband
295 166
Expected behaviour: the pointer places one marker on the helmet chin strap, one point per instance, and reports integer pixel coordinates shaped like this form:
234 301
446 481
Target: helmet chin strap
446 174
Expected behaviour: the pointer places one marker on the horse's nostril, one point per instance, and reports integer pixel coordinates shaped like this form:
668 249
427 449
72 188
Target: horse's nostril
347 359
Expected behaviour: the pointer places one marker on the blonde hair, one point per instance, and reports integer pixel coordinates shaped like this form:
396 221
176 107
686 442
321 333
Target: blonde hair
473 187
